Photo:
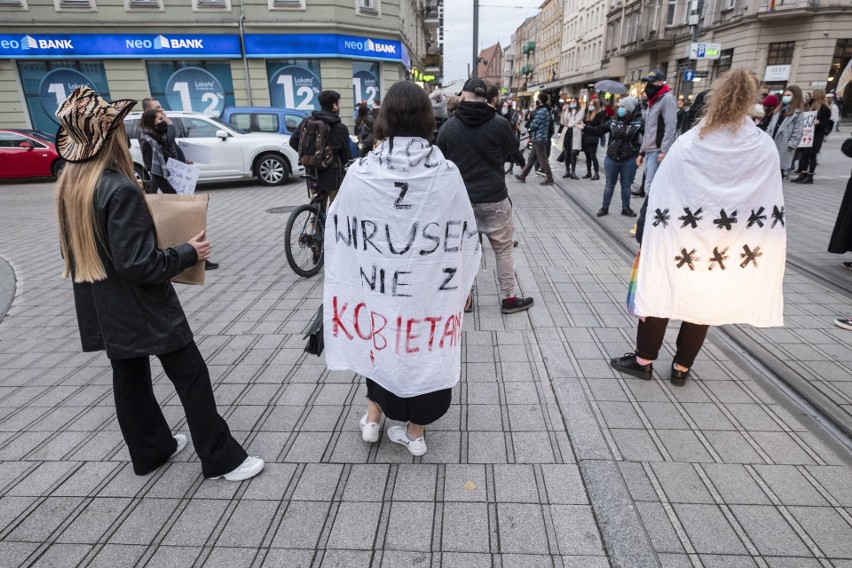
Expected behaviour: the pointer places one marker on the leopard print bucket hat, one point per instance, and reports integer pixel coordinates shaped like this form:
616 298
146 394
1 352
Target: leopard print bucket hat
86 121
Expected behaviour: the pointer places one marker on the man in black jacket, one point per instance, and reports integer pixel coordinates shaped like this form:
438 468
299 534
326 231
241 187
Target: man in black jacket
479 143
330 178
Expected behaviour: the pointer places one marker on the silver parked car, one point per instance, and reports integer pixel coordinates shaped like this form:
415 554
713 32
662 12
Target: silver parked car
234 153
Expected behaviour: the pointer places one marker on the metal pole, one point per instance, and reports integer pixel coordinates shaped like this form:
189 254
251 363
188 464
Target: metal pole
475 38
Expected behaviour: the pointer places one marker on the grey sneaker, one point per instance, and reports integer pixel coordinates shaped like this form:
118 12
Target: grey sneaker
399 435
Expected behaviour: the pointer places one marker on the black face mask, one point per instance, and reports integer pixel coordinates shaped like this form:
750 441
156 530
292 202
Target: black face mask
652 90
162 127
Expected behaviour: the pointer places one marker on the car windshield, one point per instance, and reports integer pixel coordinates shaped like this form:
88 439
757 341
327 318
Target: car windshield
236 129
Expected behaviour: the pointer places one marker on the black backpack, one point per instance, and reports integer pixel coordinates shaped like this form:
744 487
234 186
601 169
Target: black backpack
315 151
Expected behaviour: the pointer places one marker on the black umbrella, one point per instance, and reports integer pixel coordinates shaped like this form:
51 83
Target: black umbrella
610 86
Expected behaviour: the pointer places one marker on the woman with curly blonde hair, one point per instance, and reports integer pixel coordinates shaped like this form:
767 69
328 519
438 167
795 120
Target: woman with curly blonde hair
712 234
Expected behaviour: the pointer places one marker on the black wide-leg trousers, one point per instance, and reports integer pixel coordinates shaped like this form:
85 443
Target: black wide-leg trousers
146 432
652 331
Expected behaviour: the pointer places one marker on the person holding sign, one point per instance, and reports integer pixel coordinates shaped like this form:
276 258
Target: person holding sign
401 253
124 299
820 128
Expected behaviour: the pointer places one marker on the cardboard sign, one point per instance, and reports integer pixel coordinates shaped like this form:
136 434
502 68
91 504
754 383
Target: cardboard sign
808 127
178 218
183 177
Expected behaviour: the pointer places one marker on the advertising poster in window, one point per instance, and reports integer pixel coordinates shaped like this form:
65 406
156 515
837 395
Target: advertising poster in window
294 83
192 86
48 83
365 82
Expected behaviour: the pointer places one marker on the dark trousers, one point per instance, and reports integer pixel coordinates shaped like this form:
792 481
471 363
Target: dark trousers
649 339
540 149
591 159
146 432
808 162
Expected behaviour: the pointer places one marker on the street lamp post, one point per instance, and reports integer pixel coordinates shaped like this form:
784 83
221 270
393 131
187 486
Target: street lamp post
475 38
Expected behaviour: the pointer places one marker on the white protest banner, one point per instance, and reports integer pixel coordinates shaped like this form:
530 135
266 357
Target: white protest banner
808 119
196 153
401 252
183 177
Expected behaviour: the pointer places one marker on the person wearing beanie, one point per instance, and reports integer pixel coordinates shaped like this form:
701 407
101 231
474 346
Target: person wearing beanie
540 127
769 103
626 130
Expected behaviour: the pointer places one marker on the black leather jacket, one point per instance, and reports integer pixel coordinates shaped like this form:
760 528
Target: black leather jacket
135 311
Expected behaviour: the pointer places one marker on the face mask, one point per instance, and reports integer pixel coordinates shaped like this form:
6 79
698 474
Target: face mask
786 99
652 89
622 112
163 127
572 105
504 112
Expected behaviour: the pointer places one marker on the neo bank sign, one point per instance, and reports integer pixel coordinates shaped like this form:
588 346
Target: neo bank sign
118 46
312 46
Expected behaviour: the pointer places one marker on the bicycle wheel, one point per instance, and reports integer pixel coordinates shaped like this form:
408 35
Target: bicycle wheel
303 240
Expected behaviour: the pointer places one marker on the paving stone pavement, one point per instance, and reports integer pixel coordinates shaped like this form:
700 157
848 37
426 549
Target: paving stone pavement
546 457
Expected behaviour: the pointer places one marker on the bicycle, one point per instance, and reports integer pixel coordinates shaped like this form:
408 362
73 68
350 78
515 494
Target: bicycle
526 150
304 235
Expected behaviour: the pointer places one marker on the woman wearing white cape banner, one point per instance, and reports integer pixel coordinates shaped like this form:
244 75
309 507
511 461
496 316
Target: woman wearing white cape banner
712 233
401 252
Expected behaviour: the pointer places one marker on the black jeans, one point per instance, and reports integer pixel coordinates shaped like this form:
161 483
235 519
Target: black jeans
807 163
146 432
591 159
652 331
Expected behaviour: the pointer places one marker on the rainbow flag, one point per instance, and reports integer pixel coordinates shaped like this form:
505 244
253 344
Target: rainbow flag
631 286
771 5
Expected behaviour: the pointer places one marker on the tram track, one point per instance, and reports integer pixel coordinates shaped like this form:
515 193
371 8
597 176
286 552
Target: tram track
737 343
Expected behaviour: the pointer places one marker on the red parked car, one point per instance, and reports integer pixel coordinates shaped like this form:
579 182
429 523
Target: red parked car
28 153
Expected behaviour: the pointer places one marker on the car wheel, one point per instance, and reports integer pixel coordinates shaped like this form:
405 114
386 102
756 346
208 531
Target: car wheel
56 168
272 169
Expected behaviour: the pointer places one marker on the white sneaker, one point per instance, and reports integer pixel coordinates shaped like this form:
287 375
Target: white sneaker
399 435
369 430
845 323
249 468
181 444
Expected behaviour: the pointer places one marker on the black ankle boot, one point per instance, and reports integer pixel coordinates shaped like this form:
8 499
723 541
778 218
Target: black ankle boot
596 177
588 175
807 178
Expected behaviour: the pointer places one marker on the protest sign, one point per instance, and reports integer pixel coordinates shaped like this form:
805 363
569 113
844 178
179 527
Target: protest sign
183 177
808 127
401 252
196 153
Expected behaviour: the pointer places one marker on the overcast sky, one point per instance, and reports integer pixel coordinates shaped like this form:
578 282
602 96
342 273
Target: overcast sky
498 20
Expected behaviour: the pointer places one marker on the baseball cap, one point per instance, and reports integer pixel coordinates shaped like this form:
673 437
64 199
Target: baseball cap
655 75
474 85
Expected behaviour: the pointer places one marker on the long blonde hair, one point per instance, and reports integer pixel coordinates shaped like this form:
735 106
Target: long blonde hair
596 108
819 99
733 98
79 227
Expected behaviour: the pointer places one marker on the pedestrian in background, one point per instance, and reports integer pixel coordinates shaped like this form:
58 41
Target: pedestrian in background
571 118
411 385
123 296
594 117
363 127
769 103
704 260
660 125
822 126
625 138
540 128
785 126
835 113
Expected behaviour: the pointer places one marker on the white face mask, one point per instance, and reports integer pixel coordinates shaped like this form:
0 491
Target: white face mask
572 105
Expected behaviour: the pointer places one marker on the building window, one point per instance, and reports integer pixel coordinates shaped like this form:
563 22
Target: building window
723 64
204 5
780 53
670 14
13 4
81 5
286 4
369 7
655 15
731 4
154 5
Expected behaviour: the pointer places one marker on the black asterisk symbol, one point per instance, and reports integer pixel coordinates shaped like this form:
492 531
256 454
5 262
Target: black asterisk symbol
777 216
690 218
687 258
758 218
749 256
719 257
662 217
724 221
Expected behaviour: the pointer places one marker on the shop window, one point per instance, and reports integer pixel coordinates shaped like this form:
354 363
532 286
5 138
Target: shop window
202 5
156 5
286 4
13 4
82 5
780 53
198 86
368 7
723 64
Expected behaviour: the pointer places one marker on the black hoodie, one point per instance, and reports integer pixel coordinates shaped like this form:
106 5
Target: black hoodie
480 142
330 178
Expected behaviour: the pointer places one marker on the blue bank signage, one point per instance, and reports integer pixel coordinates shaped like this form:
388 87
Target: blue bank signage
325 45
118 46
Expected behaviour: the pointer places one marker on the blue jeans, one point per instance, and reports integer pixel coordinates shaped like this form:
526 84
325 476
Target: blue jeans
651 165
627 171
